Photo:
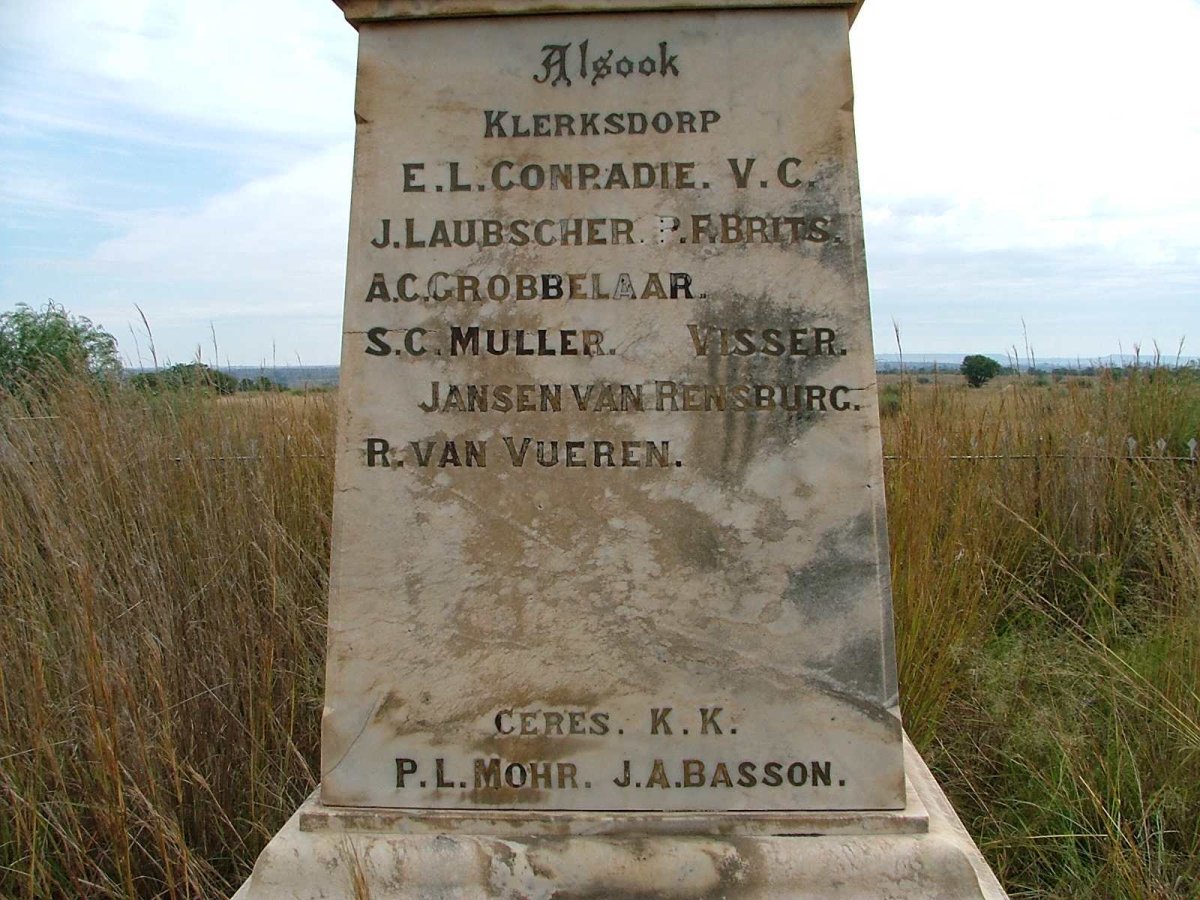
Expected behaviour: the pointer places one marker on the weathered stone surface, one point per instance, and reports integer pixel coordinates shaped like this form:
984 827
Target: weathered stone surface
321 854
608 442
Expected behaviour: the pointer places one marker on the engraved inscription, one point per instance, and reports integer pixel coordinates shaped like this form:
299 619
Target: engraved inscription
608 454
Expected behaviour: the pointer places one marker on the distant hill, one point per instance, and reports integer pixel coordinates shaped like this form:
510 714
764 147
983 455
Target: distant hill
298 377
891 362
301 377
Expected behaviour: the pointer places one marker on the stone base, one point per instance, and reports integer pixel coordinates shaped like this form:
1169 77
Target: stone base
923 851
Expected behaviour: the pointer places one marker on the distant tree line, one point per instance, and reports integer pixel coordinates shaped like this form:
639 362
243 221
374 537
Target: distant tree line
37 345
1185 370
198 376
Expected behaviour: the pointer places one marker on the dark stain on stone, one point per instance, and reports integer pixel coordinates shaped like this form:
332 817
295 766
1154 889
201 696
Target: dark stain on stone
392 702
737 864
871 708
514 748
742 873
689 538
728 451
506 797
841 573
858 665
505 854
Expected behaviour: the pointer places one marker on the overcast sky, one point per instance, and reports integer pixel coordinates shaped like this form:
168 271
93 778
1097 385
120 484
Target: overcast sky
1025 165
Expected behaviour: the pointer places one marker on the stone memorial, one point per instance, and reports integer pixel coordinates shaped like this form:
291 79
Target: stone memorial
610 607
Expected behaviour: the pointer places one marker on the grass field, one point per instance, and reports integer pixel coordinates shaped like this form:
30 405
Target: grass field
163 577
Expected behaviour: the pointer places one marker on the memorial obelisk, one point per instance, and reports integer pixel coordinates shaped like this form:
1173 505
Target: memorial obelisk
610 608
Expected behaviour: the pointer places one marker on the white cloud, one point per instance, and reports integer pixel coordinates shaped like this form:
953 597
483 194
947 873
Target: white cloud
270 66
285 218
1031 160
98 97
272 250
1066 124
1020 160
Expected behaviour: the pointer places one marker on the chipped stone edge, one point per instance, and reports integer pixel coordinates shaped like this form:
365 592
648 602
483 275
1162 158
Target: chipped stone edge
301 863
358 12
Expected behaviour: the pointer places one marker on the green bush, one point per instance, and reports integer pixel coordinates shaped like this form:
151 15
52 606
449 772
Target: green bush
37 344
890 400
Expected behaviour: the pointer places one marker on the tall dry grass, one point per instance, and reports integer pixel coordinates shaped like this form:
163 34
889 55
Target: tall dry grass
163 630
1048 603
162 625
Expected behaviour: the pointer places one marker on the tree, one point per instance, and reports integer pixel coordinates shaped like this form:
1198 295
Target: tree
36 343
979 369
